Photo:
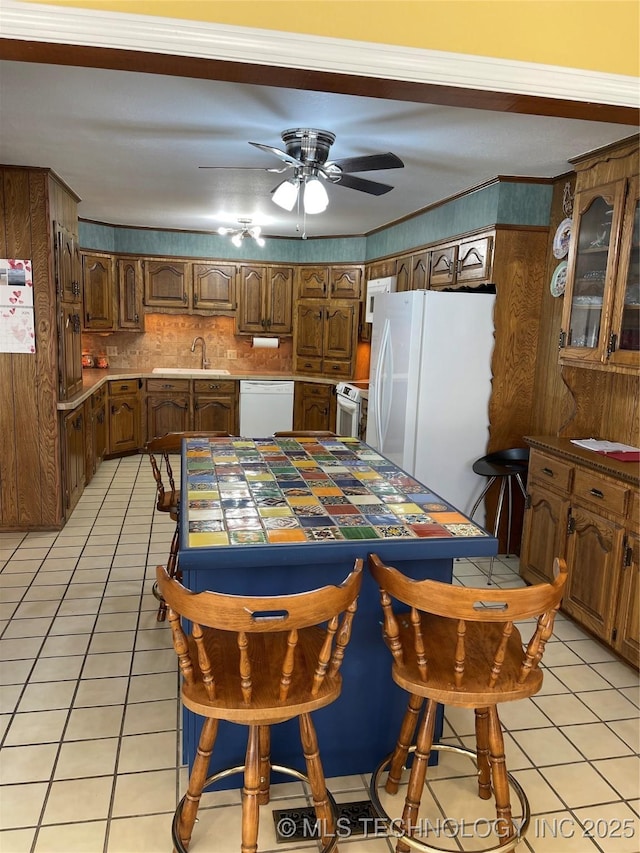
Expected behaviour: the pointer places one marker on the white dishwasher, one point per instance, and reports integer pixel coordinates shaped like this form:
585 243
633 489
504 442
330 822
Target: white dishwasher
266 406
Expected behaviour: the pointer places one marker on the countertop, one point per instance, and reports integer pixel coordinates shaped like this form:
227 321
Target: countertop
629 472
92 379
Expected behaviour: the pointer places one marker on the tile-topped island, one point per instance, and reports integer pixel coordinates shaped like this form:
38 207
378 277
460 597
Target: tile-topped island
281 515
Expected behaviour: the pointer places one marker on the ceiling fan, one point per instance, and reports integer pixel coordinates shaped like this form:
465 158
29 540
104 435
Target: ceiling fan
307 154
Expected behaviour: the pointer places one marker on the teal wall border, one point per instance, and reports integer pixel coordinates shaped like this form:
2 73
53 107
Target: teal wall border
509 202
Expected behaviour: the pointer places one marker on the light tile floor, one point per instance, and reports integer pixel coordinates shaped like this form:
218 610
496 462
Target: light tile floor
90 719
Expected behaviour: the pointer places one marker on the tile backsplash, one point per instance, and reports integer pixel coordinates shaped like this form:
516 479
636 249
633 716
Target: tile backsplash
166 342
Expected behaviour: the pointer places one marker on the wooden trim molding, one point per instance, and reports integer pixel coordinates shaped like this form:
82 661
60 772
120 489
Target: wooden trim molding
74 36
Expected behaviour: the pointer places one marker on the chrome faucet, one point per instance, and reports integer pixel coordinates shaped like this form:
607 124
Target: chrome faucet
205 362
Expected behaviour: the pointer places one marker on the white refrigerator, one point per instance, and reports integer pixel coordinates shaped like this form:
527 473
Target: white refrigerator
430 385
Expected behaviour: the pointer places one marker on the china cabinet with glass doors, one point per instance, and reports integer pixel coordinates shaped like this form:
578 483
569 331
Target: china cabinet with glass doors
601 316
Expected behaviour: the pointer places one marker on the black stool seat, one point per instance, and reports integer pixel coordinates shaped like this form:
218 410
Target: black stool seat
502 465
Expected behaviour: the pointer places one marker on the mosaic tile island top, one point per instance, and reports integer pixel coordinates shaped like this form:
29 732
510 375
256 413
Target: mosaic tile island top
261 491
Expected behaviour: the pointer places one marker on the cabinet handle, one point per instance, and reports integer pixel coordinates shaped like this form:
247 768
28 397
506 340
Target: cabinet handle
548 472
88 317
596 493
184 297
168 386
335 367
136 318
124 387
214 387
195 298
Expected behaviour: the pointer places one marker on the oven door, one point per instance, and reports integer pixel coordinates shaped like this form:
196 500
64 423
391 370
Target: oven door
347 416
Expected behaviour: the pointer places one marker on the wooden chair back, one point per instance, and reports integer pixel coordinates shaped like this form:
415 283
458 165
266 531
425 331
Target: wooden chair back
305 433
452 615
159 451
310 632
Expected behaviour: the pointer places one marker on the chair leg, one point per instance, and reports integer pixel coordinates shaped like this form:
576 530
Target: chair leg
265 764
405 739
496 526
490 483
315 773
197 780
510 514
418 772
499 777
251 793
482 751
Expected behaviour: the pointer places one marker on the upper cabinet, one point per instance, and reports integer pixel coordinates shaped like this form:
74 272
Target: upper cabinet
67 263
130 286
340 281
601 314
214 286
167 283
265 300
98 291
466 261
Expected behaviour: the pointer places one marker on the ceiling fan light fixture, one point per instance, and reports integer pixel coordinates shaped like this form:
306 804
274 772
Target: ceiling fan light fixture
315 198
285 194
238 234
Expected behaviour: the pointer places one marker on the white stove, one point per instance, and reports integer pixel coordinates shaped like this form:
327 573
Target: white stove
348 404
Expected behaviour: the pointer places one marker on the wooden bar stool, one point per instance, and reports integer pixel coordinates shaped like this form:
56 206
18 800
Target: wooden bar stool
459 646
159 451
257 661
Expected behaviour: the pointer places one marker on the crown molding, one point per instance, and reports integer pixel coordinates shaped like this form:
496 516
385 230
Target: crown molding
170 36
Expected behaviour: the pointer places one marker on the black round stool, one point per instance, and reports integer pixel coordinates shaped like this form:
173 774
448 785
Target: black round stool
504 465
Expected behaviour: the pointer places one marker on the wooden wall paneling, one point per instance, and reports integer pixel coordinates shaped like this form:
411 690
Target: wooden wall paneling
552 400
8 502
606 406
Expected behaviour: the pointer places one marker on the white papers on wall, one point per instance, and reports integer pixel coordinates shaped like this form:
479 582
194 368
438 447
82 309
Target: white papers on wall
17 328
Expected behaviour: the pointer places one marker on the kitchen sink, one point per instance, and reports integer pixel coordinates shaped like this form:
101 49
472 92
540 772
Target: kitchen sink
186 371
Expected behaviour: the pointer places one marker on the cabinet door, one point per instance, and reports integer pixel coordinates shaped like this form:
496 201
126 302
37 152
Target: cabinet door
443 266
167 413
340 331
403 274
345 282
70 351
627 621
124 424
594 558
215 413
74 456
99 429
313 282
130 294
167 284
544 533
309 330
279 300
67 264
474 260
590 274
420 271
624 343
314 406
214 286
251 300
98 292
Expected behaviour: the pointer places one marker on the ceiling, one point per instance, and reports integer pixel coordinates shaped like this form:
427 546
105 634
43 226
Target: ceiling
130 144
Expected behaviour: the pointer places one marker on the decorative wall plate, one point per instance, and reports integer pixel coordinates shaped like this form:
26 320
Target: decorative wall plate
561 239
559 279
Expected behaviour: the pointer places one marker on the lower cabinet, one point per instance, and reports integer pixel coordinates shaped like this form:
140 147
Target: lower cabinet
124 416
215 406
314 406
96 431
326 337
73 457
168 406
582 509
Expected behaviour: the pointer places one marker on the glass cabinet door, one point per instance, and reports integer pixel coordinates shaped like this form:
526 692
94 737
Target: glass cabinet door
624 345
590 271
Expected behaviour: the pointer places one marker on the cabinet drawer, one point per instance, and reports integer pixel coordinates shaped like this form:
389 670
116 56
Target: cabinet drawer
169 385
98 397
321 392
548 470
207 386
309 365
337 368
126 386
602 493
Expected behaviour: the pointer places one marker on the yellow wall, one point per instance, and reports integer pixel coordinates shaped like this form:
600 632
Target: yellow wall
597 35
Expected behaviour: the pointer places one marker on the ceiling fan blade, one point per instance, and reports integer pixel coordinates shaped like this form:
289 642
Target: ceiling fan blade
248 168
282 155
369 162
363 185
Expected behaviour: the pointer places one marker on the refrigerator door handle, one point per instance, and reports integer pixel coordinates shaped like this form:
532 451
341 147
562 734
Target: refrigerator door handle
385 360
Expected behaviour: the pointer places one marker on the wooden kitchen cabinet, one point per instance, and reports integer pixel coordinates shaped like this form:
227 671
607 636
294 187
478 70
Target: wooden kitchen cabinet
73 457
265 300
167 283
339 281
345 282
580 506
67 264
168 406
130 290
69 349
215 405
98 281
99 426
214 286
601 313
314 406
313 282
124 416
326 337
